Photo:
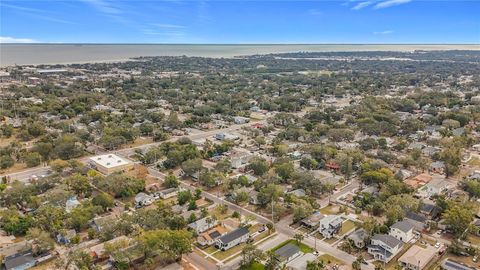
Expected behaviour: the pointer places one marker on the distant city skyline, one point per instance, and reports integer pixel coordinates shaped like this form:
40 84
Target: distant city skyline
241 22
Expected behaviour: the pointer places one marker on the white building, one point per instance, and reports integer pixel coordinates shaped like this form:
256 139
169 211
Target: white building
232 238
402 230
110 163
384 247
203 224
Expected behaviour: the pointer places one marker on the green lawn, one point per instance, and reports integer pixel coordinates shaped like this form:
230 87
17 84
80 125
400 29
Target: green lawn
256 266
304 248
346 227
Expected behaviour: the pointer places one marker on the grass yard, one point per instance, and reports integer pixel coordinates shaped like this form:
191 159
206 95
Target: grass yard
255 266
210 249
329 210
330 241
474 162
304 248
328 259
222 255
347 226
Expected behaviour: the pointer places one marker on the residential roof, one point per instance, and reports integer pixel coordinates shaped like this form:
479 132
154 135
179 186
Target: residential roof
358 235
287 251
403 226
419 256
452 265
231 236
16 260
388 240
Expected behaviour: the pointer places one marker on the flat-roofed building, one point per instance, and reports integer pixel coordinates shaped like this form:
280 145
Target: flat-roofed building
110 163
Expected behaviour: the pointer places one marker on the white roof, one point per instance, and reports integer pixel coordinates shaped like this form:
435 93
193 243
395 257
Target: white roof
109 160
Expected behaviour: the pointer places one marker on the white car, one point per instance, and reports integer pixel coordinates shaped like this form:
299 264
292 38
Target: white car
437 245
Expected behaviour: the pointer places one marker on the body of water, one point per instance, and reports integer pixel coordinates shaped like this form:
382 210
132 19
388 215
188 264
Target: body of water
36 54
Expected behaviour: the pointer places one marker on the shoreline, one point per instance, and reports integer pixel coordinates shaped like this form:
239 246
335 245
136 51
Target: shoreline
68 54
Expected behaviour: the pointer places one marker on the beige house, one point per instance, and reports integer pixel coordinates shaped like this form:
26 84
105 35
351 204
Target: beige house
110 163
416 258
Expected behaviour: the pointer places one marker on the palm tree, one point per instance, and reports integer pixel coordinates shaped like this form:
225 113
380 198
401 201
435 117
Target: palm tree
298 237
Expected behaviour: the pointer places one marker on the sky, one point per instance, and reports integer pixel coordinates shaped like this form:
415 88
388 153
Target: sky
240 22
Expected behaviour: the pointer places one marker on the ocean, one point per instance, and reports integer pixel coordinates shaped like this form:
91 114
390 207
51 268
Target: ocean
36 54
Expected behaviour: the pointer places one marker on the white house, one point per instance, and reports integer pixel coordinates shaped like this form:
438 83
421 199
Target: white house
202 224
402 230
168 193
239 158
143 199
232 238
384 247
240 120
330 225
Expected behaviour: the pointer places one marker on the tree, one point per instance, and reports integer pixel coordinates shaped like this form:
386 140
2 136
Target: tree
457 217
41 240
190 167
285 170
103 200
79 184
258 165
357 264
67 147
184 196
452 156
6 161
169 245
50 218
120 185
298 237
32 159
171 181
250 254
14 223
59 165
223 166
315 265
272 260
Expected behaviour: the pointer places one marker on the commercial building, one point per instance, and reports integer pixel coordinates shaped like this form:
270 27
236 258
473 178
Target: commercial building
110 163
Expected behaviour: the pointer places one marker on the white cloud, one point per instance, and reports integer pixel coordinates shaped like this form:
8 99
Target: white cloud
386 32
390 3
104 7
362 5
17 40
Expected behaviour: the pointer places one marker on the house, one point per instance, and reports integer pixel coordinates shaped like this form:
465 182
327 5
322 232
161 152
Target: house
208 238
416 257
104 221
313 220
143 199
452 265
330 225
418 221
437 167
19 261
168 193
402 230
71 204
384 247
430 209
202 224
288 252
240 120
64 238
110 163
226 136
98 251
297 192
239 158
232 238
254 198
435 187
359 238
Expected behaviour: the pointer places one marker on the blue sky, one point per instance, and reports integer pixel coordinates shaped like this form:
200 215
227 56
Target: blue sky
176 21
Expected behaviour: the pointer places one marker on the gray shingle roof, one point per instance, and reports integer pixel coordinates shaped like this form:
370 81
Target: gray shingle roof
403 226
229 237
389 240
287 251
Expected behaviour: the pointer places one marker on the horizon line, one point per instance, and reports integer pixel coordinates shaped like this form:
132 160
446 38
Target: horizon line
224 44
